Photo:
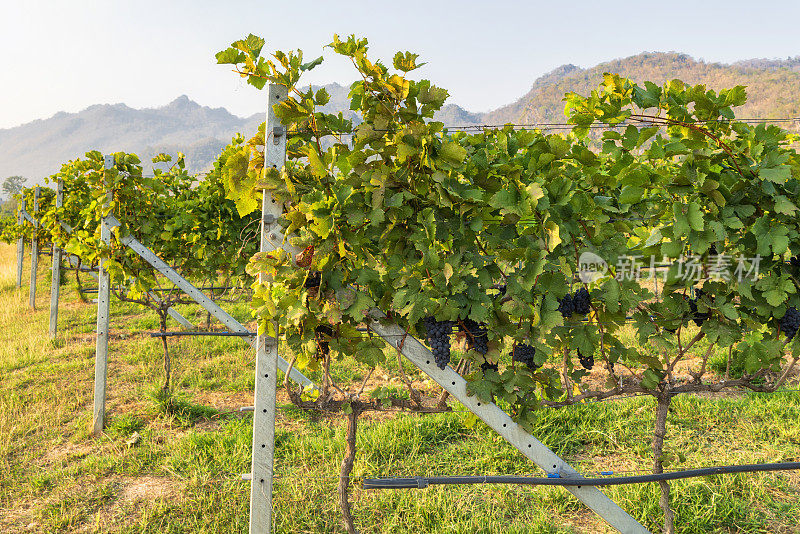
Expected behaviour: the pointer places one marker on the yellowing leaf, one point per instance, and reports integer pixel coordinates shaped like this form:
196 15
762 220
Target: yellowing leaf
553 235
447 271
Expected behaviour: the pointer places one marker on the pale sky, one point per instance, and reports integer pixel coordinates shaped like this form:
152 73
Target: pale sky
67 55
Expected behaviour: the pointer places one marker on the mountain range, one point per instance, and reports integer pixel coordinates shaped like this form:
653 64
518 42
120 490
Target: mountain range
38 148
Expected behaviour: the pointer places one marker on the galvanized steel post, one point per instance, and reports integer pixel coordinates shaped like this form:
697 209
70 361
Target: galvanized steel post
55 278
34 247
103 315
20 244
267 352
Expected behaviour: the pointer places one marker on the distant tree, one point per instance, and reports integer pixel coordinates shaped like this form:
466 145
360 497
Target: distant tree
13 185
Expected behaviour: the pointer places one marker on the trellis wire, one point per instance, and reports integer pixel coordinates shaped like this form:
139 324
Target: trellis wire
560 125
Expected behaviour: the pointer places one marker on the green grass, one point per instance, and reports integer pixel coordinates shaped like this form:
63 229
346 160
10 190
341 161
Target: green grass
183 472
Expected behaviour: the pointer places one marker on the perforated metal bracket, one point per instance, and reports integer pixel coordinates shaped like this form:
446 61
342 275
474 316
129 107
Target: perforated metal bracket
277 133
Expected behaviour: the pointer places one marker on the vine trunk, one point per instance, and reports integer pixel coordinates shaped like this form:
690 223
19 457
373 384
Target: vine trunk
659 434
347 468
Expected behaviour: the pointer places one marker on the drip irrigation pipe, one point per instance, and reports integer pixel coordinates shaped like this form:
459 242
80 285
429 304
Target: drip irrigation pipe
556 480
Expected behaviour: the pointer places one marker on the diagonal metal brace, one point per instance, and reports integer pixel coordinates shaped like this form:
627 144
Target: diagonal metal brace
28 217
199 297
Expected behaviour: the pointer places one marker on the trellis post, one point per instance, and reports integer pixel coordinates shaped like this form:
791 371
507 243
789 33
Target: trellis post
55 278
103 313
266 351
34 247
20 243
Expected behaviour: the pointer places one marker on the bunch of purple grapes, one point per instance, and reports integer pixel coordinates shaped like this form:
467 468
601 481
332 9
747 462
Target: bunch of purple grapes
525 354
790 322
323 334
586 361
438 334
486 365
312 280
697 317
580 303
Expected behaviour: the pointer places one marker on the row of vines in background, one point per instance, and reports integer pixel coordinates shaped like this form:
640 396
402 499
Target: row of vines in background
186 220
484 233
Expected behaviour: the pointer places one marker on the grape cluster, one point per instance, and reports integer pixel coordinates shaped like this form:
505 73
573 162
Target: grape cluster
712 250
323 334
790 322
698 317
524 354
565 306
486 365
580 303
586 361
312 280
438 333
794 261
477 335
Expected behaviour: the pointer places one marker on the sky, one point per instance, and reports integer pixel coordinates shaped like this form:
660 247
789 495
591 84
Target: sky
70 54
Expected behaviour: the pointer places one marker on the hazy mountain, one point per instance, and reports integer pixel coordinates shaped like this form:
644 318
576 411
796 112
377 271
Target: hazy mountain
38 148
773 86
791 63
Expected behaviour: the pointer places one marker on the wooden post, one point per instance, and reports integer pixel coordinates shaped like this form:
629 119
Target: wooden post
266 352
34 247
103 313
55 278
20 244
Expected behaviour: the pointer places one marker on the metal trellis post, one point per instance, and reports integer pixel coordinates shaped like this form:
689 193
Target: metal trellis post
34 247
55 283
103 316
502 423
267 348
20 244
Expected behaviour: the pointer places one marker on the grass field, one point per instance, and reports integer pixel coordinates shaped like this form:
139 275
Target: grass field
178 470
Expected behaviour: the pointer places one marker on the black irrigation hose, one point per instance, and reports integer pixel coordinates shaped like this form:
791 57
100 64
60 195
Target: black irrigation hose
424 482
172 334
